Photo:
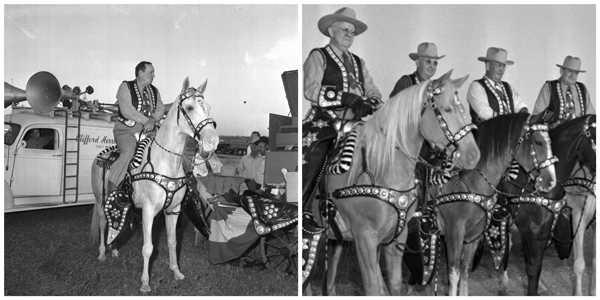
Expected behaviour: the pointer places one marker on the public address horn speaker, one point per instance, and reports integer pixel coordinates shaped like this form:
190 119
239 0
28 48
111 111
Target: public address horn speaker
43 91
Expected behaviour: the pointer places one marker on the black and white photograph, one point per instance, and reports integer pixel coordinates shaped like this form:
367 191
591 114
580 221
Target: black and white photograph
151 150
448 150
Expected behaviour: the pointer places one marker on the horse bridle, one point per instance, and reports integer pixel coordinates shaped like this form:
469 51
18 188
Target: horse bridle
453 139
526 133
191 92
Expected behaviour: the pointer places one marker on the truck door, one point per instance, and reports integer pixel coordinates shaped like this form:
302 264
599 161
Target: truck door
38 166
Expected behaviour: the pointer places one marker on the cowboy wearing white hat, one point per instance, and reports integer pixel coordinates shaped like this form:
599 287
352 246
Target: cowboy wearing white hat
339 86
490 96
426 60
565 98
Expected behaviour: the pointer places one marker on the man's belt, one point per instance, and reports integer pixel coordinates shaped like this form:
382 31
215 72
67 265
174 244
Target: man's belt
127 122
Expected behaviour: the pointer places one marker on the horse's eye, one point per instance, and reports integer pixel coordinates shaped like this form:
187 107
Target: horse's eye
539 143
447 109
190 108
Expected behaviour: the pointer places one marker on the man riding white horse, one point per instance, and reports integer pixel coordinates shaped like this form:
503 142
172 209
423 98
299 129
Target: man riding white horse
140 105
340 89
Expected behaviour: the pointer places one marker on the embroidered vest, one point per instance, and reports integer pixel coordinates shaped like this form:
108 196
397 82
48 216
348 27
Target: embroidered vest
144 107
335 72
558 103
414 78
493 100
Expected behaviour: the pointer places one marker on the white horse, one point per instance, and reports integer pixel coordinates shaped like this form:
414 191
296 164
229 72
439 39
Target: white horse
159 181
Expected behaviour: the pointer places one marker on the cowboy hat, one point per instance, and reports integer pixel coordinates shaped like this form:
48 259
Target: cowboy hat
262 139
425 50
498 55
572 63
344 14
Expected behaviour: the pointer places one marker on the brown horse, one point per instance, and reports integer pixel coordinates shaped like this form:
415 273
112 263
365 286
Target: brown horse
158 182
376 207
467 199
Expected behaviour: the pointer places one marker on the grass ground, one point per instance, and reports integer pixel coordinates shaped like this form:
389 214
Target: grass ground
48 252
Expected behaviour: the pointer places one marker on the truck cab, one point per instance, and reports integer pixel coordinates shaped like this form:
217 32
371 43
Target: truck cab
48 157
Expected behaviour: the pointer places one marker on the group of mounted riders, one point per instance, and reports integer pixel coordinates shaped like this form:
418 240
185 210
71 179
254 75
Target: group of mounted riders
342 93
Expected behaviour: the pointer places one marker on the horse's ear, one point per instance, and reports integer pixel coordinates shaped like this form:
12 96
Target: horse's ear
535 119
459 82
186 85
442 80
202 87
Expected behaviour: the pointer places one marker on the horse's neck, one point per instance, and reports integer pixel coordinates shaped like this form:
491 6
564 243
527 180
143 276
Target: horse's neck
171 138
401 175
486 176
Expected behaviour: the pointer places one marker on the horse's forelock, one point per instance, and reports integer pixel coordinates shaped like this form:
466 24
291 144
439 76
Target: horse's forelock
498 136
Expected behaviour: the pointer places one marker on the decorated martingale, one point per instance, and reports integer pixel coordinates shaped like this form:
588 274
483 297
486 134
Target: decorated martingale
561 217
400 200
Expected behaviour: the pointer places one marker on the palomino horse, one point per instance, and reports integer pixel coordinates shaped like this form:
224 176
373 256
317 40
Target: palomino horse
572 142
376 208
158 181
466 201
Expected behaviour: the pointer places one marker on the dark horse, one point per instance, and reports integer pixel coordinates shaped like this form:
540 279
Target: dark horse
466 202
572 144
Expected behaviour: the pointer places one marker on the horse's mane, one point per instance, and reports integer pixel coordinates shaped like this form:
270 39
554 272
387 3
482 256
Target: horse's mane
497 136
566 127
387 130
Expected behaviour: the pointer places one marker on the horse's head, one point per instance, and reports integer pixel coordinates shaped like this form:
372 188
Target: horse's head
193 118
444 122
534 152
584 148
587 155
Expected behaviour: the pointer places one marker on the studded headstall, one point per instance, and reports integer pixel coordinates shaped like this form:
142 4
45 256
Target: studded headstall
587 133
192 92
453 139
526 134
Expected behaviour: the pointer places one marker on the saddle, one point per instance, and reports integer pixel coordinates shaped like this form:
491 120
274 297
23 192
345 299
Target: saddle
107 157
267 215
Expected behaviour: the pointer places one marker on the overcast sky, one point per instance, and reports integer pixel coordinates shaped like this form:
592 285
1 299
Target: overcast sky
241 49
537 37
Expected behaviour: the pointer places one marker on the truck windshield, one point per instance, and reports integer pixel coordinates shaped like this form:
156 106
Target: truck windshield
11 131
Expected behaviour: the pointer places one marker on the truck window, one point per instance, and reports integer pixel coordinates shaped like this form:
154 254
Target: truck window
40 138
11 130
